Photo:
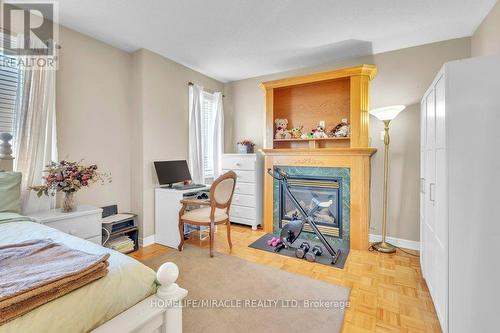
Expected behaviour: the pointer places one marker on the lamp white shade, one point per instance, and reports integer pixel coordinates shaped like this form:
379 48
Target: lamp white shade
387 112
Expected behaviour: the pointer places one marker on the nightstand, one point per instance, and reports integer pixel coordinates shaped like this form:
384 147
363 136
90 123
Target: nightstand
84 223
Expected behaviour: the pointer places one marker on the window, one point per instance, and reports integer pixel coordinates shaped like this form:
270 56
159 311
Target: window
207 131
10 78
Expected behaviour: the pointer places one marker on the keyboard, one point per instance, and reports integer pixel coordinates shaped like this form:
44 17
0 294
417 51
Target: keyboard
188 187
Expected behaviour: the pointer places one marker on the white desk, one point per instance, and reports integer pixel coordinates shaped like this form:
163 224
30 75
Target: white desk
167 206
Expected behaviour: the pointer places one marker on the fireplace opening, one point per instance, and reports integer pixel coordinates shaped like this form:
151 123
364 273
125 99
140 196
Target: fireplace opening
307 190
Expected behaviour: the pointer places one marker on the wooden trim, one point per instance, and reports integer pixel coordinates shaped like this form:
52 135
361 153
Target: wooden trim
320 152
360 117
269 119
364 70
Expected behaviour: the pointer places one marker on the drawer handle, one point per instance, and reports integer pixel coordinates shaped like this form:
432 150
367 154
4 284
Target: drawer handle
431 192
237 164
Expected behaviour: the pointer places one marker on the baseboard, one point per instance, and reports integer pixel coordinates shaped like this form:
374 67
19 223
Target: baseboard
399 242
149 240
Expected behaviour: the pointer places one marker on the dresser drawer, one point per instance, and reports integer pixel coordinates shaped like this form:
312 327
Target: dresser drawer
82 227
244 200
244 221
244 212
244 188
244 175
236 163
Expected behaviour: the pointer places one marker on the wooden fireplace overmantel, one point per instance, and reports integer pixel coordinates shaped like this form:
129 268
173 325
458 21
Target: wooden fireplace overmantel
327 97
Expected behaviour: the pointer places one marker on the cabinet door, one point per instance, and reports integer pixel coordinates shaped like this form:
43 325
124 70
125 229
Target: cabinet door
440 115
430 113
429 199
441 238
423 121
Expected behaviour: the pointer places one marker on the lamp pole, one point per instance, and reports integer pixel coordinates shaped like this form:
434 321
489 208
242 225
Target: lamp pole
383 246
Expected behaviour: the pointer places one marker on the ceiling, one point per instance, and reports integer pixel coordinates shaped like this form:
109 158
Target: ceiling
236 39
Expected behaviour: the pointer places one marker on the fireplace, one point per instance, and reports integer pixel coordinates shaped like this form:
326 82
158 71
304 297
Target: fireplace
309 191
323 184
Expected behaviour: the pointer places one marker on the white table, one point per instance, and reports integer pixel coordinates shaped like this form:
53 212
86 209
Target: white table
84 223
167 206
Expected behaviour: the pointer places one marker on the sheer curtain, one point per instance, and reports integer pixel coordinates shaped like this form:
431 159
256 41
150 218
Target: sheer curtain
195 134
218 135
210 138
35 143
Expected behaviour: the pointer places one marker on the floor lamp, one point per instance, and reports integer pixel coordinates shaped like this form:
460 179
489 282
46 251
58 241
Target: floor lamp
386 114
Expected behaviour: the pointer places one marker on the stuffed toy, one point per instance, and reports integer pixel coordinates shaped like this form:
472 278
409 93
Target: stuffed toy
319 133
297 132
309 135
342 130
281 131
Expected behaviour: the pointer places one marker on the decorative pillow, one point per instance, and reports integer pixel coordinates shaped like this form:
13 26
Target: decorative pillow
10 192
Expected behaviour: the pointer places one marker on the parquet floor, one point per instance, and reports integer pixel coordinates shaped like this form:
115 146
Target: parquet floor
388 293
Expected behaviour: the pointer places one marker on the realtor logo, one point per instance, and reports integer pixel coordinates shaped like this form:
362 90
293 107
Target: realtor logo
29 32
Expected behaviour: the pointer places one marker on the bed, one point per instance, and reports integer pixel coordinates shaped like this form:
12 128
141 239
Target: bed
130 298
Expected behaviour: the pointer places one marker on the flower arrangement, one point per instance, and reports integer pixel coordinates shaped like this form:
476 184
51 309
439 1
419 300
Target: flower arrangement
245 147
69 177
246 143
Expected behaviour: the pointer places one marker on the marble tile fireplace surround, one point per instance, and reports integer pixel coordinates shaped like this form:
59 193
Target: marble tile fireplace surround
325 185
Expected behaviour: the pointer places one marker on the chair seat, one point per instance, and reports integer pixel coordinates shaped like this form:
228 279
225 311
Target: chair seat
203 215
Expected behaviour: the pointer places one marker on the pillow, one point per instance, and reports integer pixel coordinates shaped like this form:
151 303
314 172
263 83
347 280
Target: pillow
10 192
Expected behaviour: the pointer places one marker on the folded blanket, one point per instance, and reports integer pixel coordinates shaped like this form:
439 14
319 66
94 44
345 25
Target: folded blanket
35 272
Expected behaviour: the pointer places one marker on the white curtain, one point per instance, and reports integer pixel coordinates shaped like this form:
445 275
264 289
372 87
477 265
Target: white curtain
195 134
218 135
35 143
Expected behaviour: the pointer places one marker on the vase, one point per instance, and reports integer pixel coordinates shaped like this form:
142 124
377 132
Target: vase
245 149
69 204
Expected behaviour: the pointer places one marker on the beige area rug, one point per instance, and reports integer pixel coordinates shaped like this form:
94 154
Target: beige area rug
229 294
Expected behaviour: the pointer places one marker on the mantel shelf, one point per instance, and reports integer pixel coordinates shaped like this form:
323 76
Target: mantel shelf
319 151
312 139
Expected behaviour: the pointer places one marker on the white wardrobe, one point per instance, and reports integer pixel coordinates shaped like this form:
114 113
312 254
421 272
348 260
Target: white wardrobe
460 194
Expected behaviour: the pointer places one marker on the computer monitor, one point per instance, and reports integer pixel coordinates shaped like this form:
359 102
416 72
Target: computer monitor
170 172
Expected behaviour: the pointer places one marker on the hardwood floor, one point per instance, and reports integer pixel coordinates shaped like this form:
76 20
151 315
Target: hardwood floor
388 293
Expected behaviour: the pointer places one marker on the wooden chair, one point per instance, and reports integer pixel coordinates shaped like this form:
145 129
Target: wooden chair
216 212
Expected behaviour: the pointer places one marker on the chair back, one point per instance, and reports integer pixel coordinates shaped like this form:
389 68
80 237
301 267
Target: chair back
221 192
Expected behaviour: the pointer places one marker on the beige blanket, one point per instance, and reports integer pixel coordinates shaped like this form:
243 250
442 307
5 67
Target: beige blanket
35 272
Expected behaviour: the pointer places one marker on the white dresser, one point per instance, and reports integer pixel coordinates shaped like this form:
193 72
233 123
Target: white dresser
460 167
246 207
84 223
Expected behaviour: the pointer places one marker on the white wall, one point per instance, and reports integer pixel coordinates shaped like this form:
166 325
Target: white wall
403 77
94 114
161 114
486 39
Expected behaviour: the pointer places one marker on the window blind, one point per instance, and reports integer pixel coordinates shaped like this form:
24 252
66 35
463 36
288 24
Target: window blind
10 78
207 133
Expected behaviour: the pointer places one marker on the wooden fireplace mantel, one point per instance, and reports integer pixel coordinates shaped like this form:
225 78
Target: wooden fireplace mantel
325 97
356 159
320 152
